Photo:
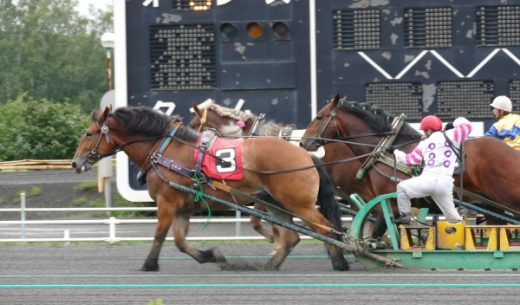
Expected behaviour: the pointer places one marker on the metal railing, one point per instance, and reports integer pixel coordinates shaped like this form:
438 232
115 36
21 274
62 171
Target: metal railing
110 226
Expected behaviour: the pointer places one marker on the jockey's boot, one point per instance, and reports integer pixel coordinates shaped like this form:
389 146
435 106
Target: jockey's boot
404 219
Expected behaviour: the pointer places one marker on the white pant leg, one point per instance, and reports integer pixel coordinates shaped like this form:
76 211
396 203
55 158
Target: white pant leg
416 187
443 196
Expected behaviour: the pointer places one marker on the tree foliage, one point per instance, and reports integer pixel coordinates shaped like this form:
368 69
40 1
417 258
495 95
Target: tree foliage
52 74
39 129
49 51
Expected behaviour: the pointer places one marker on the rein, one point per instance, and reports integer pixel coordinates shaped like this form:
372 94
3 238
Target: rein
378 152
310 166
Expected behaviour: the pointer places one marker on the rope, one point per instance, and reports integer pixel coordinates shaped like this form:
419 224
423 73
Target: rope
200 195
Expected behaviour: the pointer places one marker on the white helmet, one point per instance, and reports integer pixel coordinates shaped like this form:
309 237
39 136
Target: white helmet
502 102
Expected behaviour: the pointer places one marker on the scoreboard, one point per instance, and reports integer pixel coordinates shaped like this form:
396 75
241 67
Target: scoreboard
170 53
442 57
285 58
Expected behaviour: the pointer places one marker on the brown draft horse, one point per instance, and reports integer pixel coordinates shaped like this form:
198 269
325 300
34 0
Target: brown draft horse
339 162
139 131
230 122
490 165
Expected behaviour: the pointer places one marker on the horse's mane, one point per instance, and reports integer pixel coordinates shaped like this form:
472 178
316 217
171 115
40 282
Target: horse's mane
150 123
378 120
269 128
231 113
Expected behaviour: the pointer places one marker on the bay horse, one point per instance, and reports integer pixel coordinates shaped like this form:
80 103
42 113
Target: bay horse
489 163
339 162
229 122
268 164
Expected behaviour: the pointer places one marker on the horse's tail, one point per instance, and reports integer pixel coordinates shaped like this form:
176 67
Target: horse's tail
327 196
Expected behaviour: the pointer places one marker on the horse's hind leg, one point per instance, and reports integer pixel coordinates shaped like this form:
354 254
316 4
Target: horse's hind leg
317 222
285 242
259 227
270 234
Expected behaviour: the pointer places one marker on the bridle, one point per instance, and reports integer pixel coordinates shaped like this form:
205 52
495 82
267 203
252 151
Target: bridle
93 155
332 117
104 130
320 140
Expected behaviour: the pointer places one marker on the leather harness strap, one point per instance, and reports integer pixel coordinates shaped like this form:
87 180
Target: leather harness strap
385 142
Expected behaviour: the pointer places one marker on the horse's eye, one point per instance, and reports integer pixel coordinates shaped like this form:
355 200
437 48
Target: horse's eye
89 135
318 118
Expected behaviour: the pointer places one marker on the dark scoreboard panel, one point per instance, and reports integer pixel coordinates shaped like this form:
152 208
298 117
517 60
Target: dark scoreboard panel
182 51
185 51
420 57
414 56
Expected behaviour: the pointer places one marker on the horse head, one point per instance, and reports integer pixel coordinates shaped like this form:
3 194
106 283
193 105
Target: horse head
323 126
361 125
227 122
96 142
133 129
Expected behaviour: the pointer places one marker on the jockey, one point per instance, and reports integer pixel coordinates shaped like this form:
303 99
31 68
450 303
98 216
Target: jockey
439 152
507 127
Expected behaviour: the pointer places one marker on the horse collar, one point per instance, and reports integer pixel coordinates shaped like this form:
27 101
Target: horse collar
286 132
257 124
203 119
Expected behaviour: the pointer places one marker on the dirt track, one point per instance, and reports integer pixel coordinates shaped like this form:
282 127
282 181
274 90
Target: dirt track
108 274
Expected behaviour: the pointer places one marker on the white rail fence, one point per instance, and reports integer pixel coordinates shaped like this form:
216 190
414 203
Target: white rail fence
109 229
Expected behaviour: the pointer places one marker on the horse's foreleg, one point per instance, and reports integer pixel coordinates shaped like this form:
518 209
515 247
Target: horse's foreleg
180 231
165 214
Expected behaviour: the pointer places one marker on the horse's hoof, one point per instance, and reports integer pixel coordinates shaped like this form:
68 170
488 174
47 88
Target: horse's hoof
219 257
150 267
343 266
270 267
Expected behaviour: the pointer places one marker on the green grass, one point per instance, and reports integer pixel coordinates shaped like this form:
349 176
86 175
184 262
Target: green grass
99 203
35 191
87 186
80 201
117 201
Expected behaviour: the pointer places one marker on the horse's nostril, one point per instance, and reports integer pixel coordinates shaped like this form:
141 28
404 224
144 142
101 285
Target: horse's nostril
74 165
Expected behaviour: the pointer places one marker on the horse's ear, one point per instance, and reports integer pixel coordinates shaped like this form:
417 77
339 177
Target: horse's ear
102 118
196 109
336 99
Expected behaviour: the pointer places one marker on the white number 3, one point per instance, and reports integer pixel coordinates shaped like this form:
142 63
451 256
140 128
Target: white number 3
226 160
